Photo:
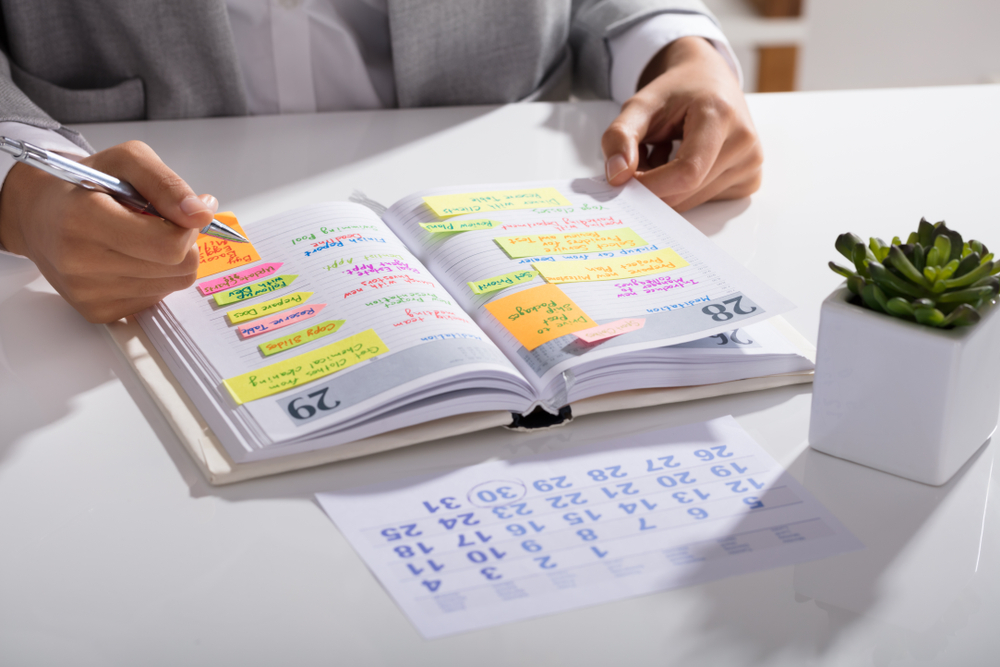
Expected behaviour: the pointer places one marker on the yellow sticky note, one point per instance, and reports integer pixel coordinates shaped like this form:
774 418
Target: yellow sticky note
540 314
300 337
267 307
445 206
215 255
255 289
534 245
616 268
501 282
299 370
459 225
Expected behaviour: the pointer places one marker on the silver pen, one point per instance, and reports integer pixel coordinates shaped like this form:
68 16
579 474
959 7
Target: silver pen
91 179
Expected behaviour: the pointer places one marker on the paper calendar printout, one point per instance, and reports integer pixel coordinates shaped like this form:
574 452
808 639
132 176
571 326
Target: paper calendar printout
509 540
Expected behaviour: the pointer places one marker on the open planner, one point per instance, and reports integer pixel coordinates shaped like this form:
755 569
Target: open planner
341 332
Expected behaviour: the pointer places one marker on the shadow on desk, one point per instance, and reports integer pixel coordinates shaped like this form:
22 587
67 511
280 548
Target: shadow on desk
914 581
46 354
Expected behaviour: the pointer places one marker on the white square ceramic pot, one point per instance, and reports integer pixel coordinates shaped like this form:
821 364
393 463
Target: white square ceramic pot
902 397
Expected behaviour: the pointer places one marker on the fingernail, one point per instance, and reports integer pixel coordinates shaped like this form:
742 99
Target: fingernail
192 205
615 165
211 202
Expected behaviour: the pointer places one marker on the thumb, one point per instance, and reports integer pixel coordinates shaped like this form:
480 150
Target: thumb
620 143
169 194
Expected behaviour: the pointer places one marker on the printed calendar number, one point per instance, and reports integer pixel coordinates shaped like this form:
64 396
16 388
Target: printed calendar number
404 551
463 519
510 511
545 562
661 462
562 502
712 453
630 508
518 530
682 477
546 485
733 337
447 503
603 474
623 489
483 556
464 541
572 518
305 410
531 546
727 470
490 494
406 530
718 312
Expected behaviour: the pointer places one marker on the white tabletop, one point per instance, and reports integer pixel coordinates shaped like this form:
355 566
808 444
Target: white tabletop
115 551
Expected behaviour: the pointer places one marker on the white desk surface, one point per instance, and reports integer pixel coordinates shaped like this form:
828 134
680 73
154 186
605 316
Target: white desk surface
114 550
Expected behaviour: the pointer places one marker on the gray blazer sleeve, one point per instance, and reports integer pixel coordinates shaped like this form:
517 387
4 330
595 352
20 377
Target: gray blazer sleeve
17 107
597 21
84 61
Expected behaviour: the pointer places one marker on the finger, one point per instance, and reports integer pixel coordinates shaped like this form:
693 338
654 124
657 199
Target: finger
733 184
100 223
102 262
705 127
660 155
621 141
136 163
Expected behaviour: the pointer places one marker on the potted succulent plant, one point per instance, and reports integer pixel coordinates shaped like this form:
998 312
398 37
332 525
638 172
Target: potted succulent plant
908 357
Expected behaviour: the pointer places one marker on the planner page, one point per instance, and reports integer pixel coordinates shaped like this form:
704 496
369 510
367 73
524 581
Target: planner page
564 273
336 323
509 540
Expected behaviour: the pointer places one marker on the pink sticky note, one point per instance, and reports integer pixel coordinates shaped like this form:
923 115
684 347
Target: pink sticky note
231 280
602 331
293 316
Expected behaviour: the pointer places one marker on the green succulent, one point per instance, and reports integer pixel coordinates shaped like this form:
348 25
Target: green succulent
935 278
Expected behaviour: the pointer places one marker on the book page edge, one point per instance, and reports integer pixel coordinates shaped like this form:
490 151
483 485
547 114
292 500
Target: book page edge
212 458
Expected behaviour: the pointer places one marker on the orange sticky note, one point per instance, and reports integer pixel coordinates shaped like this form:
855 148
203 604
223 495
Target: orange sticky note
215 255
540 314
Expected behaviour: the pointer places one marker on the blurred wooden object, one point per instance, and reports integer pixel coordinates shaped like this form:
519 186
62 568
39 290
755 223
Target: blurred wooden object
774 9
776 68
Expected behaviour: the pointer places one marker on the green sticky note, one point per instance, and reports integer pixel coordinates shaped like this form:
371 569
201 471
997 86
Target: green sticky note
254 289
500 282
459 225
300 337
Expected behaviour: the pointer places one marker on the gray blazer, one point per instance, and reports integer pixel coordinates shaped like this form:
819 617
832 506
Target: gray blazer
81 61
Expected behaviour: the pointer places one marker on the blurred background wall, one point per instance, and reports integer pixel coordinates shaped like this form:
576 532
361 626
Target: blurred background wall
836 44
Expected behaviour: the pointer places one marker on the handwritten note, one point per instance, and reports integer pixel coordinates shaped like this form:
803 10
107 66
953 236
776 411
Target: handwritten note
300 337
445 206
267 307
508 540
215 254
611 268
539 314
286 318
459 225
255 289
533 245
605 331
306 367
238 278
500 282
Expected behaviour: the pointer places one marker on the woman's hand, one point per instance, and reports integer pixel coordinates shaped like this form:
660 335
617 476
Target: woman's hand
689 93
105 259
